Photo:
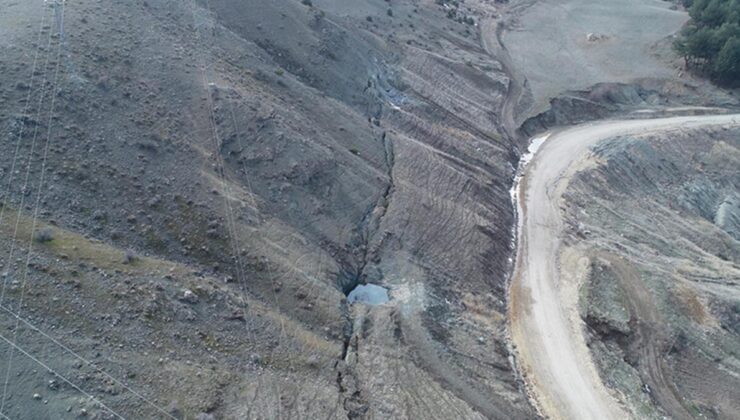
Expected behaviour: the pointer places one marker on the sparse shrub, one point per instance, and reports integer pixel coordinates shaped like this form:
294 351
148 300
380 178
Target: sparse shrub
261 76
308 3
45 235
129 257
390 12
279 72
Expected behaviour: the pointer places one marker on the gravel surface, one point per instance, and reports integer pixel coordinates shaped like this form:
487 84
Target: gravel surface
550 44
546 328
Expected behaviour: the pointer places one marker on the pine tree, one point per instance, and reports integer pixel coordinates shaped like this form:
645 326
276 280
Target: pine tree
727 64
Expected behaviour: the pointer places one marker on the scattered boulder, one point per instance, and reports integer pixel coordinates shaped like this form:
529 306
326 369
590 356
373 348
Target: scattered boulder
593 37
188 296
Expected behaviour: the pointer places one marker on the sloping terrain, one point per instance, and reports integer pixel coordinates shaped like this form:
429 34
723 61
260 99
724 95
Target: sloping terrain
545 324
215 176
190 190
573 45
658 218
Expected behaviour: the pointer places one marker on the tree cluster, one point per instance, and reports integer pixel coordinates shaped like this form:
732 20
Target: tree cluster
710 42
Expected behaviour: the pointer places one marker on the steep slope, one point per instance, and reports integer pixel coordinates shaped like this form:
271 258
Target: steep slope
218 175
545 325
657 218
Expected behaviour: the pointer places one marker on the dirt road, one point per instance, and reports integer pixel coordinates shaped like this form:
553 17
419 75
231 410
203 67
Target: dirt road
545 326
491 40
492 31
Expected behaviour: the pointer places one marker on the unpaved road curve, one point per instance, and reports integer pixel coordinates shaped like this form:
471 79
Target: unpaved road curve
548 334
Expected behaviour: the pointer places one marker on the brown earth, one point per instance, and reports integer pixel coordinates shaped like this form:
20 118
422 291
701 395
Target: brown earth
217 175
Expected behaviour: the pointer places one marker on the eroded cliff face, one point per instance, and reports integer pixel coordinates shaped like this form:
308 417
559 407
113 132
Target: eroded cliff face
658 217
258 160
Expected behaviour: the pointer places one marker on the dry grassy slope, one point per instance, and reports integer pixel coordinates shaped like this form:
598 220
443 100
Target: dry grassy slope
343 149
122 331
627 38
660 219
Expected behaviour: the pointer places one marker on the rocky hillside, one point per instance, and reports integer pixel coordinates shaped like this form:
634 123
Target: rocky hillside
191 188
660 217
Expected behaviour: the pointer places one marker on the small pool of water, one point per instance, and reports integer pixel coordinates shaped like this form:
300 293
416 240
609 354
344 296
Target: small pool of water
370 294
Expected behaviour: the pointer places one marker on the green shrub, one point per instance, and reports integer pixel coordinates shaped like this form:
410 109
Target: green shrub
45 235
709 42
727 65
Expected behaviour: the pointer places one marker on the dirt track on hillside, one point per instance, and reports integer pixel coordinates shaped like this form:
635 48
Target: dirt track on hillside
545 328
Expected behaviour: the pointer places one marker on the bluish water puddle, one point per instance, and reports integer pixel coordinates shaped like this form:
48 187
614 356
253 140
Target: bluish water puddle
370 294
